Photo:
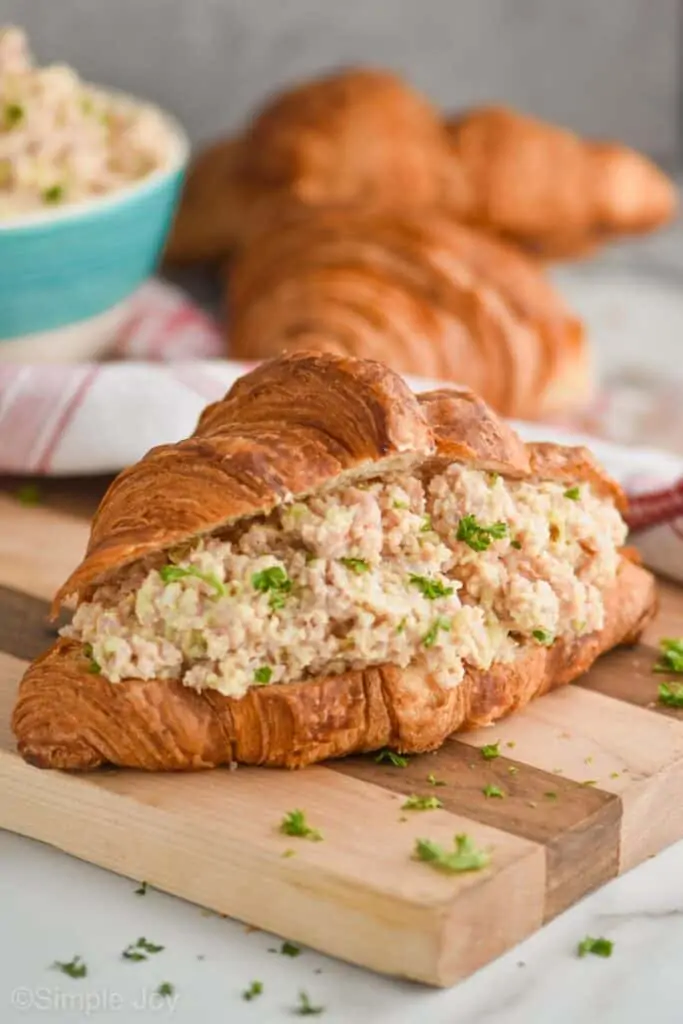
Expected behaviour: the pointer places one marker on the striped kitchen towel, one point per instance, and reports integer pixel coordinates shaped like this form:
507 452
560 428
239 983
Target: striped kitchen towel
58 420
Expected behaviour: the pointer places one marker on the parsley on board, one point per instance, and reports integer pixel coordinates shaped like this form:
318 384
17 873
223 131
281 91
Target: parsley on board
274 581
479 537
397 760
493 791
263 675
421 803
433 781
598 947
166 989
74 968
173 573
542 636
573 493
255 989
306 1008
289 949
439 625
142 889
137 951
464 857
28 495
357 565
490 750
513 769
294 824
431 589
671 694
671 657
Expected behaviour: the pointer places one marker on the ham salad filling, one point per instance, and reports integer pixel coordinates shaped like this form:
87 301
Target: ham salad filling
450 573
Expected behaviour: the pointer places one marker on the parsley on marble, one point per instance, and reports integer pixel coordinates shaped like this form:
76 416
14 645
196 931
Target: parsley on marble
255 989
166 989
74 968
598 947
306 1008
139 950
142 889
289 949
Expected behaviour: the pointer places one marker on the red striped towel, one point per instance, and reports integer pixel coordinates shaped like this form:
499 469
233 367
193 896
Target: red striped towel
98 417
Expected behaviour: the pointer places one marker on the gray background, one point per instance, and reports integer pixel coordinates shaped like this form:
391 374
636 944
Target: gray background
606 67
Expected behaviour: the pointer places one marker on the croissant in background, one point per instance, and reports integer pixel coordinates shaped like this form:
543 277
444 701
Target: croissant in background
548 189
419 291
365 136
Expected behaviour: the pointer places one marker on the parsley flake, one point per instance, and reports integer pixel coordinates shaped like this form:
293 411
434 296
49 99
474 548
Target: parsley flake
165 989
573 493
392 757
550 795
275 581
542 636
513 769
671 657
433 781
255 989
421 803
289 949
479 537
431 589
14 113
439 625
598 947
172 573
306 1008
294 824
28 495
53 194
516 544
426 524
263 674
137 951
74 968
401 504
142 890
493 791
490 750
94 668
464 857
671 694
357 565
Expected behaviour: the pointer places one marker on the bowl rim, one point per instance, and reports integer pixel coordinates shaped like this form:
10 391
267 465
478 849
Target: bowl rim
178 158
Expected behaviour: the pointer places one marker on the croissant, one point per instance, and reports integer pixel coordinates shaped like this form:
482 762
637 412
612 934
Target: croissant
418 291
546 188
329 565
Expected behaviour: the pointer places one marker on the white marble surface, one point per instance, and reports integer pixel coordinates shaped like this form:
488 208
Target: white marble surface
52 906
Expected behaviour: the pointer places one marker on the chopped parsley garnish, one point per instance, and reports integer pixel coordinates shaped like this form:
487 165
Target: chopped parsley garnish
263 675
598 947
53 194
479 537
671 657
426 524
516 544
421 803
255 989
401 504
294 824
94 668
464 857
493 791
75 968
173 573
573 493
14 113
165 989
393 758
306 1008
431 589
357 565
671 694
440 625
275 581
402 625
433 781
137 951
542 636
289 949
28 495
142 890
490 750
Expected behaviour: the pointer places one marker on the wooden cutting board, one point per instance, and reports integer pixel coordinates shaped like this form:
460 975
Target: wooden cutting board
592 777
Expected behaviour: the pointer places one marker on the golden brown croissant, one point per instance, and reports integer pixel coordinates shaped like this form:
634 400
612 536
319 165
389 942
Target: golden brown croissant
545 187
297 436
418 291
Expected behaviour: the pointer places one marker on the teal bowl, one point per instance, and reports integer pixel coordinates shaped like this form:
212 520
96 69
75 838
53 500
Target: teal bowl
67 275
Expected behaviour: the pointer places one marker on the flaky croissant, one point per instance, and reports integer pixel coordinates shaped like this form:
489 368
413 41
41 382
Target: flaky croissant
307 428
418 291
546 188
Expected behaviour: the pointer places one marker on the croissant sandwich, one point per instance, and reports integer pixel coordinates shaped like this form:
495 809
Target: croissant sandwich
329 565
